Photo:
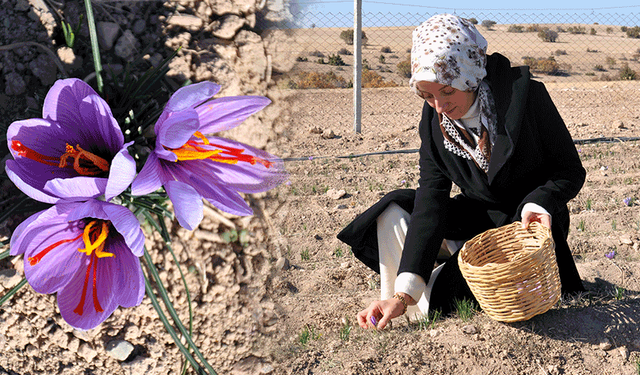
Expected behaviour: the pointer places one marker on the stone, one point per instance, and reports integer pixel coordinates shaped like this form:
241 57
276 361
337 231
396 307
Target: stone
9 278
107 34
228 26
618 124
470 329
189 22
73 345
70 60
22 6
336 194
44 68
208 236
127 46
328 134
41 12
139 26
626 240
119 349
87 352
624 352
282 264
15 84
605 344
139 366
247 366
315 130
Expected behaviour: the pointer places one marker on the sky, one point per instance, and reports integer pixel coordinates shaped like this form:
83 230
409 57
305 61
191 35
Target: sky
584 11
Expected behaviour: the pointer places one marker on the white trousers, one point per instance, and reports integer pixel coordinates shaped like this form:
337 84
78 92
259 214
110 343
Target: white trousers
392 227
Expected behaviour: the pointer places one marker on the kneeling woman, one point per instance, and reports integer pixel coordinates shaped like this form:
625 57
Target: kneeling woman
492 131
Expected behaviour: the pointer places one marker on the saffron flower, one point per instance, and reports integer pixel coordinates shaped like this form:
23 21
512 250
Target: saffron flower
191 165
87 253
628 201
610 254
75 152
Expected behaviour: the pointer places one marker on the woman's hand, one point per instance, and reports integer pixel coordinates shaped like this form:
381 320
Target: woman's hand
528 217
382 311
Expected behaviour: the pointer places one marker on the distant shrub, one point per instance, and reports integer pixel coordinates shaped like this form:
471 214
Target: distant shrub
371 79
381 59
627 74
633 32
592 50
604 77
548 35
547 66
593 31
560 52
599 68
610 61
301 59
344 51
365 64
315 80
404 68
515 29
385 50
347 36
623 29
535 28
577 30
336 60
560 29
321 61
316 53
609 30
589 74
473 21
488 24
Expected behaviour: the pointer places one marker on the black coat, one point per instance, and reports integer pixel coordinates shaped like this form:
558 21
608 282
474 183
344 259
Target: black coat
533 160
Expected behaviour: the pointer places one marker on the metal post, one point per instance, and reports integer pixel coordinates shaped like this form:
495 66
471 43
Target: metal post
357 64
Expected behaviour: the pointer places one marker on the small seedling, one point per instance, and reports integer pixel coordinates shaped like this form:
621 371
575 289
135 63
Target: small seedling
428 321
618 292
304 254
588 205
581 226
307 334
338 252
345 330
465 309
614 225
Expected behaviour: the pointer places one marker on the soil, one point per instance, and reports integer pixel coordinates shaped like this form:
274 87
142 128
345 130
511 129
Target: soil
277 293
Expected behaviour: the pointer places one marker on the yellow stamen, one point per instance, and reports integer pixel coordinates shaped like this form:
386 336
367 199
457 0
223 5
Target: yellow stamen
96 244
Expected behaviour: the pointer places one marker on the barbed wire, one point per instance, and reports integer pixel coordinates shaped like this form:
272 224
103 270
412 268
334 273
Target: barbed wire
415 150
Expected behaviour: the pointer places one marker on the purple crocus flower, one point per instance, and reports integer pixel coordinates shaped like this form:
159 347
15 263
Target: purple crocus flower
87 252
628 201
76 151
610 254
191 166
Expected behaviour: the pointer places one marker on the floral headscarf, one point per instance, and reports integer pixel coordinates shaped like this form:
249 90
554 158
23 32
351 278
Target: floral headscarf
448 50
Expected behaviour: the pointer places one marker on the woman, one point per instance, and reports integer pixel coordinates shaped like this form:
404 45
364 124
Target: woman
496 134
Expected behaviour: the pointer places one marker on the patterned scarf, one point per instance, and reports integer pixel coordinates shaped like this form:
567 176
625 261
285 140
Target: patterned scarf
458 141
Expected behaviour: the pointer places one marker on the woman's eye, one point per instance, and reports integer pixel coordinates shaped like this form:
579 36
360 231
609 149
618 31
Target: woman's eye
450 92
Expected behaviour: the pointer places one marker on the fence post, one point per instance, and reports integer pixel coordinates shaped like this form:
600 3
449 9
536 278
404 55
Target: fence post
357 64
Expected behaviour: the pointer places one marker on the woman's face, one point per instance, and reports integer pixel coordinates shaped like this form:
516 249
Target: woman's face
445 99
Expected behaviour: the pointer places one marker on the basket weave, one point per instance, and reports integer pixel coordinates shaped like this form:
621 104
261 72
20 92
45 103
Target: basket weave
511 271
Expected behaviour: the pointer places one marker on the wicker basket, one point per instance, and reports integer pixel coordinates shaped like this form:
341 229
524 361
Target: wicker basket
511 271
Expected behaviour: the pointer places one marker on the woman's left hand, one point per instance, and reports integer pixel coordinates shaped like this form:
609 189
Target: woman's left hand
528 217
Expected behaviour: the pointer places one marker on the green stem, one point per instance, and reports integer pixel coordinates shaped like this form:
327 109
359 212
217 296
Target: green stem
172 311
12 291
95 48
167 325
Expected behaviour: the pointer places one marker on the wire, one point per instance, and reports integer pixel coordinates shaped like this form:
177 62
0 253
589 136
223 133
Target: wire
414 150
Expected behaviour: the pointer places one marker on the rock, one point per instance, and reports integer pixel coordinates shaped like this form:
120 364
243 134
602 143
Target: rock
73 345
127 46
247 366
60 338
139 26
44 68
251 66
15 84
208 236
228 26
69 58
9 278
605 344
107 34
41 12
470 329
282 264
434 332
119 349
22 6
139 366
266 369
328 134
626 240
187 21
624 352
156 59
336 194
87 352
345 265
315 130
618 124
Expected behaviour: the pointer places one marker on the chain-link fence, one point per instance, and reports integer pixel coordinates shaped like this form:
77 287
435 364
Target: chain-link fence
575 51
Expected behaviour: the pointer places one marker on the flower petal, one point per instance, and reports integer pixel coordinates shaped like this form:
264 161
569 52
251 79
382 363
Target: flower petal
77 188
129 279
22 180
192 95
178 128
149 178
228 112
63 99
121 173
100 132
127 225
187 204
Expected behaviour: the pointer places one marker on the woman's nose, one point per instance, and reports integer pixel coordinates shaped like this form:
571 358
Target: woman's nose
441 105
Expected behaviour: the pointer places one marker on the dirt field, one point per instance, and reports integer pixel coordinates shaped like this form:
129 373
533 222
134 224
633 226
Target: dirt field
281 296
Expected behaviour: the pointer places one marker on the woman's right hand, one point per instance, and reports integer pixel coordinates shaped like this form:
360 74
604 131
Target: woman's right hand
383 311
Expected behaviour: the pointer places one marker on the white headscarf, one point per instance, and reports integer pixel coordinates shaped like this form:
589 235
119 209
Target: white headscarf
448 50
